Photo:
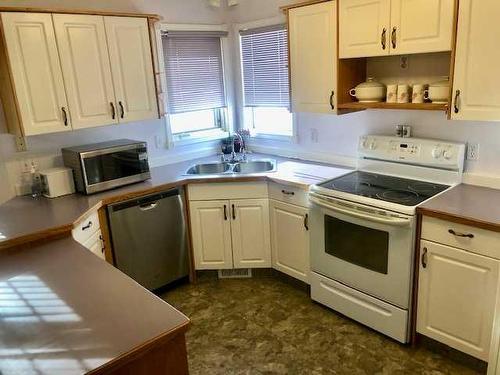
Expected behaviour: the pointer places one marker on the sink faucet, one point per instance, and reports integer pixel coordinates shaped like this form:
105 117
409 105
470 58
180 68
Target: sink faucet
242 147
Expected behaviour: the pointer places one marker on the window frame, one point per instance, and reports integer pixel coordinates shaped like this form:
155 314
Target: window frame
240 96
198 136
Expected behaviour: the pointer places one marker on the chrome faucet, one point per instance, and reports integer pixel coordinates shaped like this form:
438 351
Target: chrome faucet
242 149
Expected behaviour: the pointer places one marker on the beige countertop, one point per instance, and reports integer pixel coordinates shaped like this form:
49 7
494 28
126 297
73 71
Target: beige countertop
64 310
24 219
466 204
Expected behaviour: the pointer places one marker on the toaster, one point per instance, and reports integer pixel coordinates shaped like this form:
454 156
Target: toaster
57 182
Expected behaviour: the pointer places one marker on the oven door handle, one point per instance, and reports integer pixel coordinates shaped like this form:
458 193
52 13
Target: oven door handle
396 221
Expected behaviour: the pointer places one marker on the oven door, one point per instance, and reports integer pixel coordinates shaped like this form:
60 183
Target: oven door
363 247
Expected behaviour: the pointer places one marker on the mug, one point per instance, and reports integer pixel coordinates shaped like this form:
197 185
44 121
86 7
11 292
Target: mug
418 93
392 93
403 93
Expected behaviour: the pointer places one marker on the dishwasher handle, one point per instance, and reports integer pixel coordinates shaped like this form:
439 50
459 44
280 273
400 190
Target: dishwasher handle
147 203
148 206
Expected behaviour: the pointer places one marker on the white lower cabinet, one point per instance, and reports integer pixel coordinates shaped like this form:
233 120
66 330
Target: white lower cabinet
456 297
290 239
211 234
88 233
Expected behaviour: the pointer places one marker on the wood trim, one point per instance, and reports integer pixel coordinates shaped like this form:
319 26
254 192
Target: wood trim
286 8
459 219
414 297
109 254
38 237
453 56
79 11
384 105
192 270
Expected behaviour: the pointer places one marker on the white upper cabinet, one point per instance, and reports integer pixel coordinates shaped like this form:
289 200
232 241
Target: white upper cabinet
36 73
382 27
364 28
251 233
87 73
132 68
477 74
313 57
421 26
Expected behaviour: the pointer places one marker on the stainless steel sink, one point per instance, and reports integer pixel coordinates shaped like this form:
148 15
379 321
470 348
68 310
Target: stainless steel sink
256 166
243 167
209 168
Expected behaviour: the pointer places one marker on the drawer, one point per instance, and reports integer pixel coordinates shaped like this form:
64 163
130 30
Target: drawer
227 190
86 228
97 249
96 237
289 194
475 240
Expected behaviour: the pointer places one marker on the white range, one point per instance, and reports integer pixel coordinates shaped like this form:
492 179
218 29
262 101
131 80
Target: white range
363 228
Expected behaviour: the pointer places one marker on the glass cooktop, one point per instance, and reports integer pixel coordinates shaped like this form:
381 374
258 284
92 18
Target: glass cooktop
386 188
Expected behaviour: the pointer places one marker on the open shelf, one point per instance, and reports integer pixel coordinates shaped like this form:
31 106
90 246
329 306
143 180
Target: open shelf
384 105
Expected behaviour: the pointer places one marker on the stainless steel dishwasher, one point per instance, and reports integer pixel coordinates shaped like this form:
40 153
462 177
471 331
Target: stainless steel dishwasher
149 238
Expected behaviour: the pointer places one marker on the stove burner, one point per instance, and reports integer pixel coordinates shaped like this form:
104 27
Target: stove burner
423 188
398 196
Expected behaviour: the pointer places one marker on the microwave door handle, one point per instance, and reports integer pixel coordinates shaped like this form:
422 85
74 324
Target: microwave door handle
377 219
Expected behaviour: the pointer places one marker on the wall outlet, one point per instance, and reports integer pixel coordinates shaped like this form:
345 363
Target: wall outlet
473 151
314 135
404 62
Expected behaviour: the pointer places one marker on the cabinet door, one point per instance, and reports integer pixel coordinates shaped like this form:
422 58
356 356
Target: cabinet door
36 72
211 234
87 74
420 26
251 233
132 68
290 239
456 298
477 72
364 28
313 55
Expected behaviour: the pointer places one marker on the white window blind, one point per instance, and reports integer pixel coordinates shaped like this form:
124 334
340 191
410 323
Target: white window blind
265 67
194 71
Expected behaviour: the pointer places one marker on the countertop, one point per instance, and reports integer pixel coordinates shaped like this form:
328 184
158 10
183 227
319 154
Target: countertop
24 219
65 311
466 204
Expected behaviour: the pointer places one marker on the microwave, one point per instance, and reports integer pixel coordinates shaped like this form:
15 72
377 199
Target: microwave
107 165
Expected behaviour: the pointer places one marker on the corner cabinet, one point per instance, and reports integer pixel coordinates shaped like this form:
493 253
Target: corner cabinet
477 74
313 57
71 71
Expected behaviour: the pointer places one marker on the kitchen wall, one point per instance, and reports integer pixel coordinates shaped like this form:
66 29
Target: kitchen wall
320 137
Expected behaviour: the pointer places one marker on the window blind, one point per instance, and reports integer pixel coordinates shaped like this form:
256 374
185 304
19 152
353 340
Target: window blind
194 71
265 67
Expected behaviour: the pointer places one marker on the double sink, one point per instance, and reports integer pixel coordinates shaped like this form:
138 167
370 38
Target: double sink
241 167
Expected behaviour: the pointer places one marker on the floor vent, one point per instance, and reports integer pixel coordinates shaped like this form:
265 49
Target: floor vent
240 273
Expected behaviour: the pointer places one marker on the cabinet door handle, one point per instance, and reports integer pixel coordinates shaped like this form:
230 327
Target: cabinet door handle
234 212
383 38
459 234
306 221
113 110
331 100
122 110
225 213
103 247
393 37
88 226
424 258
457 98
286 192
65 116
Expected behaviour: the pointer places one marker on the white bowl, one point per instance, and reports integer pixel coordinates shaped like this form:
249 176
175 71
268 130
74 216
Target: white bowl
369 92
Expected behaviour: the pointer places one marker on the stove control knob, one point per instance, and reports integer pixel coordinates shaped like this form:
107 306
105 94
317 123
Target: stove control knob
373 145
364 143
437 153
448 154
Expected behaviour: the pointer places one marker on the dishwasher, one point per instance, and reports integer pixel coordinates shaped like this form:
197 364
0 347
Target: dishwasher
149 238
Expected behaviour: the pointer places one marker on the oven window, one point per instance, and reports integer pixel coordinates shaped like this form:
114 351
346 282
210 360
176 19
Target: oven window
362 246
102 168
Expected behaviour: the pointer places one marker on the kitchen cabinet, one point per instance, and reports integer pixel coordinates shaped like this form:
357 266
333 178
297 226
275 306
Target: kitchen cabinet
36 85
132 68
382 27
290 239
450 307
250 233
476 79
211 234
85 62
313 57
88 233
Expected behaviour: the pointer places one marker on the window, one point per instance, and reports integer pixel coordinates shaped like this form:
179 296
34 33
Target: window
194 72
266 89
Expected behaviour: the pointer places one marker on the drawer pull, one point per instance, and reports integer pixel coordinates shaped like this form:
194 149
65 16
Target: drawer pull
234 212
225 213
424 258
88 226
458 234
286 192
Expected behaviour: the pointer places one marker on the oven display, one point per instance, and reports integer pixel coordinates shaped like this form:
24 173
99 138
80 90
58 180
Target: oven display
359 245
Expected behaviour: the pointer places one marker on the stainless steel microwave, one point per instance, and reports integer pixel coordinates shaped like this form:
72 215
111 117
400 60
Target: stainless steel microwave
107 165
